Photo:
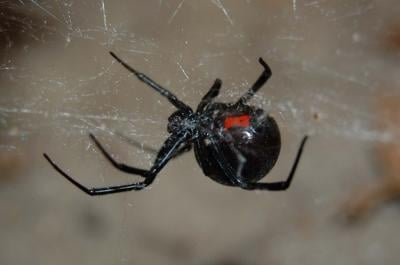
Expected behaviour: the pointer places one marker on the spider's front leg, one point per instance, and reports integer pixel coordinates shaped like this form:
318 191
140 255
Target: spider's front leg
148 81
164 155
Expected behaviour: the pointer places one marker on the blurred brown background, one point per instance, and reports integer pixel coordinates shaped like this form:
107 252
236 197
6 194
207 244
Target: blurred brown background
332 63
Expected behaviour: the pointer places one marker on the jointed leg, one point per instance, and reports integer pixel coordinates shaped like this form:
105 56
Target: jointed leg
211 94
181 150
165 154
123 167
148 81
281 185
136 144
265 75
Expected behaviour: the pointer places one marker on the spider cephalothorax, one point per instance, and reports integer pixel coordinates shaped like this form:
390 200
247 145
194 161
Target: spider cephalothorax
180 120
235 144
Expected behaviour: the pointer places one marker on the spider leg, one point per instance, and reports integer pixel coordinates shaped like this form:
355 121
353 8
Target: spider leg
165 154
273 186
211 94
137 144
280 185
148 81
120 166
181 150
265 75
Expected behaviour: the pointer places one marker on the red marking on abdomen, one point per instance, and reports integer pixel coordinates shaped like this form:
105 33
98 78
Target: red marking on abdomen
238 121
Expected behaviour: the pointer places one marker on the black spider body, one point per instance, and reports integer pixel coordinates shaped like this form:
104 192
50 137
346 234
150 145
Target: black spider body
250 149
235 144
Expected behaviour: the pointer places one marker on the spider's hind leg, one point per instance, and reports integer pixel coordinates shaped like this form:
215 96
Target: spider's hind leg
211 94
262 79
280 185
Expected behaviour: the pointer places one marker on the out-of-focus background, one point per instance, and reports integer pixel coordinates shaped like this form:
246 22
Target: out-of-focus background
335 77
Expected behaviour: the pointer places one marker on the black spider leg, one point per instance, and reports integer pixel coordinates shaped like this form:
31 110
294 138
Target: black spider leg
211 94
272 186
120 166
148 81
265 75
184 148
165 154
280 185
181 150
136 144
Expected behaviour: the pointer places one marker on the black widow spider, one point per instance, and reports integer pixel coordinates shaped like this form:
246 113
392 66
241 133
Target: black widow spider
235 144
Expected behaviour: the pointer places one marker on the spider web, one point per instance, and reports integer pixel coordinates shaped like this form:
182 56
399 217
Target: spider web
331 64
337 94
331 98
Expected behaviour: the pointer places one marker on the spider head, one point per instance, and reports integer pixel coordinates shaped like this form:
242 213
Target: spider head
175 121
178 121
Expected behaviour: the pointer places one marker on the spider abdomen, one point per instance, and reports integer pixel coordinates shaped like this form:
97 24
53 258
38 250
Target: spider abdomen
241 141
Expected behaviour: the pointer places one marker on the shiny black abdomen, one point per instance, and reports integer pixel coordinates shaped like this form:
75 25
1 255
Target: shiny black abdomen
247 139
